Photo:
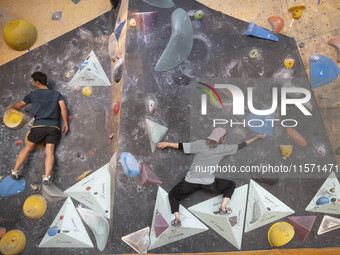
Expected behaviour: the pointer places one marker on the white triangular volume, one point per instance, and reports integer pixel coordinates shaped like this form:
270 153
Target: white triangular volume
190 224
263 208
221 223
139 240
326 199
69 230
91 73
156 133
94 191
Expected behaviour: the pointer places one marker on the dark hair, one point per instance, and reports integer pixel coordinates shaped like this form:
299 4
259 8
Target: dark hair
40 77
213 144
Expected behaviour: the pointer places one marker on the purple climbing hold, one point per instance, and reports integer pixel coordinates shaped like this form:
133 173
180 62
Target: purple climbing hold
233 220
160 224
148 177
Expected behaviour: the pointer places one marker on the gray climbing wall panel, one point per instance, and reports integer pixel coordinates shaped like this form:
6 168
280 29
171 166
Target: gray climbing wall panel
220 50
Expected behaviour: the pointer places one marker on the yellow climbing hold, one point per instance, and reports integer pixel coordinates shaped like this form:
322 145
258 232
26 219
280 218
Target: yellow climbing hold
83 175
37 146
87 91
280 233
334 105
14 119
20 34
13 242
132 22
35 207
288 63
297 10
286 150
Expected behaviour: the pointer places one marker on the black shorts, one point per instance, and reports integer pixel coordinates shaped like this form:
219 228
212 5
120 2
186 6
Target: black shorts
44 134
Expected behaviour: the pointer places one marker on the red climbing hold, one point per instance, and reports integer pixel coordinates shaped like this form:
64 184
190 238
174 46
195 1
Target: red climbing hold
115 108
277 23
61 217
336 43
18 143
90 153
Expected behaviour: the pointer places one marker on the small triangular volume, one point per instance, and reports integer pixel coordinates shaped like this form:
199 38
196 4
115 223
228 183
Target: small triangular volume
156 133
263 208
92 74
70 231
326 199
256 31
139 240
148 177
302 225
144 20
160 224
94 191
190 224
52 193
323 70
230 227
328 224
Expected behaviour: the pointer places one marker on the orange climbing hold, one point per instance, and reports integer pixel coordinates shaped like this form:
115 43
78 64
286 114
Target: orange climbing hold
2 232
13 242
277 23
297 10
336 43
296 137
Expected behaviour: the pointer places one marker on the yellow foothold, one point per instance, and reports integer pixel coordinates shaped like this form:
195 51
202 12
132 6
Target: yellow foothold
297 10
13 242
37 146
83 175
20 34
35 207
69 73
334 105
133 22
286 150
14 119
87 91
280 233
288 63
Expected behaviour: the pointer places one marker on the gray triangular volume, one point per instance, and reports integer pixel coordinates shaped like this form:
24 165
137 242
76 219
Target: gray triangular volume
156 133
328 224
229 227
69 231
263 208
190 224
91 73
327 198
139 240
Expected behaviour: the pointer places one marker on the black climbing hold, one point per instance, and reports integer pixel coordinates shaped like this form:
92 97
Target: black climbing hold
118 70
181 79
333 199
78 154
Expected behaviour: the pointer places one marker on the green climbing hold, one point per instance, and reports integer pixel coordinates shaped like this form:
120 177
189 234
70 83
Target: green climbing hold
254 54
199 15
332 190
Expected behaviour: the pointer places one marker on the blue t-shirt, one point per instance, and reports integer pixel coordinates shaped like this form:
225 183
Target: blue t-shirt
45 107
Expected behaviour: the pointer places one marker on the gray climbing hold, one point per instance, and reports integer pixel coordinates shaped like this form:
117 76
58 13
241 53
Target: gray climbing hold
56 15
322 96
181 79
302 44
118 70
337 151
256 212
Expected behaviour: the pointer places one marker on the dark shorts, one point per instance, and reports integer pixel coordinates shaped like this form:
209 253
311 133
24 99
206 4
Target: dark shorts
44 134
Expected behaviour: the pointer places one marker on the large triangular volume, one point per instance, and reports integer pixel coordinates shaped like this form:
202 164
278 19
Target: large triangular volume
52 193
302 225
190 224
328 224
156 133
230 227
90 73
263 208
67 230
139 241
256 31
326 199
148 177
94 191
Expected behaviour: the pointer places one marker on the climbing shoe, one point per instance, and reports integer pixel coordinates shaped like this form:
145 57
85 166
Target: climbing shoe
176 223
227 211
46 180
15 175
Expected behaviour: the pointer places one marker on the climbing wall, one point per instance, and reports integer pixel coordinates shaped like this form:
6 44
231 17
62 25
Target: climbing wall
220 50
85 147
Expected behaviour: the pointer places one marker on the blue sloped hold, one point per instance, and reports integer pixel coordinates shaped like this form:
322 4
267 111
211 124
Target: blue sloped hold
180 43
322 201
130 165
160 3
119 28
323 70
255 30
82 65
259 124
10 187
52 231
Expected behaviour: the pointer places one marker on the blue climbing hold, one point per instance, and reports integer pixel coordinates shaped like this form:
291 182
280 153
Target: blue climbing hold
130 165
82 65
323 70
52 231
256 31
260 123
119 27
10 187
322 201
